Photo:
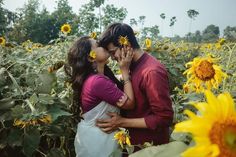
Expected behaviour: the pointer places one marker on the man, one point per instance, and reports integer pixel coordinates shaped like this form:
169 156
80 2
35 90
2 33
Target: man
153 113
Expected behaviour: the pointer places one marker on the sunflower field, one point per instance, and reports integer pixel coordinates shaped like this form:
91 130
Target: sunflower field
35 98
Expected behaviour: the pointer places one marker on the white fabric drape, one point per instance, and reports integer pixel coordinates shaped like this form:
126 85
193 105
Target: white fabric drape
90 141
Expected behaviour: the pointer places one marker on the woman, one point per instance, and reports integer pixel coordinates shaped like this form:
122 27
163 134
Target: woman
96 95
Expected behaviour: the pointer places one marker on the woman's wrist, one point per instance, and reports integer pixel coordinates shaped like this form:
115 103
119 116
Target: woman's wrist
126 78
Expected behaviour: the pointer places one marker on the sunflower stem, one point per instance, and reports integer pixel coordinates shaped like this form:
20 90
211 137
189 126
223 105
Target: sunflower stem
30 106
227 65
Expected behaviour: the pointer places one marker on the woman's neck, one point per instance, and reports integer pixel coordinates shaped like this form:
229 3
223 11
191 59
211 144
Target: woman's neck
100 68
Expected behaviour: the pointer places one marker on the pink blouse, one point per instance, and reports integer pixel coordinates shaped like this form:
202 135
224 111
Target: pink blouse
99 88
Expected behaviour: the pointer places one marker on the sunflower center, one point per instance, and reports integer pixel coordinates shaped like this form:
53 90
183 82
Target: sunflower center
66 29
1 40
205 71
224 135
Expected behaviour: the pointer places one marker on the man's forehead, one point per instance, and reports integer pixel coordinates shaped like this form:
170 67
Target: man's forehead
110 46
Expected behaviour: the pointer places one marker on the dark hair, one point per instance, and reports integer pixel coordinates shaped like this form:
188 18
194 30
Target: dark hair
114 31
79 68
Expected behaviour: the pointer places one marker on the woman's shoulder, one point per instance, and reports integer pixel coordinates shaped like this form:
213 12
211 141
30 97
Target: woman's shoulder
98 79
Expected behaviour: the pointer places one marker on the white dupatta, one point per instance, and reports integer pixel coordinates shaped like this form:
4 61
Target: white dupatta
90 141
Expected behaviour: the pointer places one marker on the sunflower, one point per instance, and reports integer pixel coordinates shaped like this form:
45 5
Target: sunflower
93 35
92 54
148 43
122 138
66 28
214 129
221 41
204 73
123 41
44 119
2 41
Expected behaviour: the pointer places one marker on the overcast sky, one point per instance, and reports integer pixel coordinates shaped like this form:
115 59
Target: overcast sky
218 12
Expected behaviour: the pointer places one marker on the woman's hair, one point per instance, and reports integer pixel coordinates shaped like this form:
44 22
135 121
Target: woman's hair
79 68
113 33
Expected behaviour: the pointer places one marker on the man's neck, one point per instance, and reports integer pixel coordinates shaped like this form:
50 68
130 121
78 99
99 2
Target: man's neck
137 54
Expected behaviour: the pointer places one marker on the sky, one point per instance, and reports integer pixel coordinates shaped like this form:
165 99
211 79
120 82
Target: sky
221 13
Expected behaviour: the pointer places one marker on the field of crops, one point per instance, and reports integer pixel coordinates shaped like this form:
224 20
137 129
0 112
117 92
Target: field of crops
35 96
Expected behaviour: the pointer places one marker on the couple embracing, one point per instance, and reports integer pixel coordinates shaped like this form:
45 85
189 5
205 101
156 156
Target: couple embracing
140 104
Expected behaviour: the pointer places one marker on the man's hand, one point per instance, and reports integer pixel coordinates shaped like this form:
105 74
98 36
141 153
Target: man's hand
111 124
125 58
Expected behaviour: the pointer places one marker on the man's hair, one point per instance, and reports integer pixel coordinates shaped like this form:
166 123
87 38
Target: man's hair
114 31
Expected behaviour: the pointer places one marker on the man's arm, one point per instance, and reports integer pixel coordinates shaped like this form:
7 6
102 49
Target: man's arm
156 87
116 121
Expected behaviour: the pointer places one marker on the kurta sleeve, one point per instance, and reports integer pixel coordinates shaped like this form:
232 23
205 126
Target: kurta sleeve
156 87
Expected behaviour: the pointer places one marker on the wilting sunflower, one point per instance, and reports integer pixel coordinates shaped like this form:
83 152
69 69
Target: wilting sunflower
66 28
93 35
122 138
55 66
204 74
148 43
2 41
214 130
123 41
46 119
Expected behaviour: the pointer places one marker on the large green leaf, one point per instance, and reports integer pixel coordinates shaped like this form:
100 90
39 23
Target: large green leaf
173 149
56 112
116 153
31 141
45 82
15 137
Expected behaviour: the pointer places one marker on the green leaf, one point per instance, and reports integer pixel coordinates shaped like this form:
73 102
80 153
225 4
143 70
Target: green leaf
130 149
173 149
15 137
6 103
116 153
45 82
15 83
31 141
55 152
45 99
56 112
180 136
17 111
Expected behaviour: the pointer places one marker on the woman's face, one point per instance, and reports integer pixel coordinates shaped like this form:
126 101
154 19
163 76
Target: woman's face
102 55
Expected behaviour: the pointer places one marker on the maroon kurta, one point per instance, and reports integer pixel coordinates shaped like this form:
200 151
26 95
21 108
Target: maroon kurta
151 90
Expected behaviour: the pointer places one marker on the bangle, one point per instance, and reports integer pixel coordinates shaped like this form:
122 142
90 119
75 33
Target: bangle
126 81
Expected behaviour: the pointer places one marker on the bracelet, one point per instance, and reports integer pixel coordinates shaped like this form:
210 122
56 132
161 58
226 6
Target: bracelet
126 81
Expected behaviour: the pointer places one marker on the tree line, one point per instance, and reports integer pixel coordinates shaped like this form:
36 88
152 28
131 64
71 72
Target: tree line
41 26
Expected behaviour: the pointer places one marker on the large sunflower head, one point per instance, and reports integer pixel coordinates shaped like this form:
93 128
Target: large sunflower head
203 73
2 41
214 129
66 28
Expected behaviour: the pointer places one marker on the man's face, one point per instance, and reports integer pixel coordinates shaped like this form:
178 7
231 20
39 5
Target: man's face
114 51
